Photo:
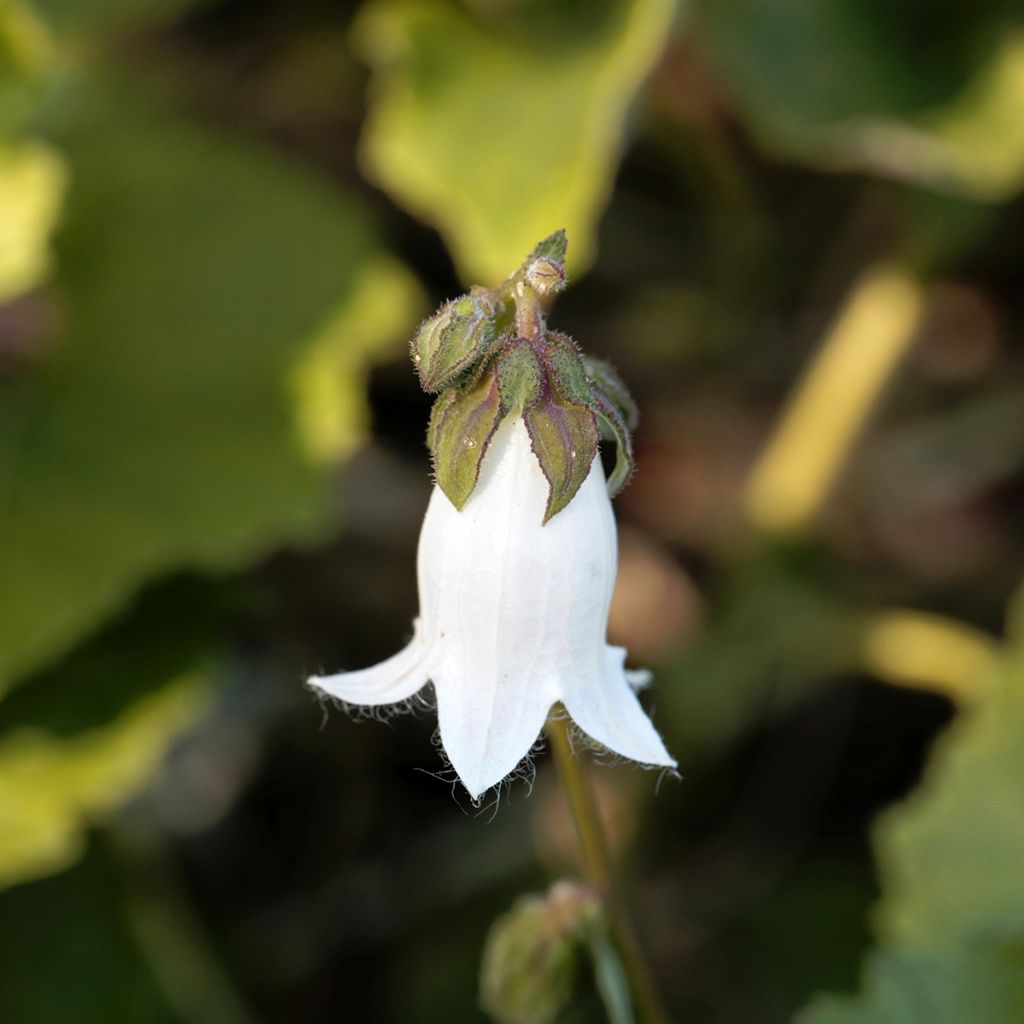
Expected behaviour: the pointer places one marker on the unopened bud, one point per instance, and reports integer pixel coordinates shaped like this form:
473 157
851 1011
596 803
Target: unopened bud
545 276
532 953
451 341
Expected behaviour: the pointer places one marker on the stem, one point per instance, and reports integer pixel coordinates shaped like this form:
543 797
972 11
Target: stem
600 873
529 312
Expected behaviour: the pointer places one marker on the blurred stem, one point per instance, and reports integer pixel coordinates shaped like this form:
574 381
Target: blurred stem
825 417
599 872
929 652
171 935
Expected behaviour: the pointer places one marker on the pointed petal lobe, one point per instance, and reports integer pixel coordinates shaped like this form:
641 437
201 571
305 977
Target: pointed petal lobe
388 682
488 725
607 710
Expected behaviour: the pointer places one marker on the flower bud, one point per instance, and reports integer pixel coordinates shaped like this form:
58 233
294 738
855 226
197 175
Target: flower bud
545 276
532 953
451 341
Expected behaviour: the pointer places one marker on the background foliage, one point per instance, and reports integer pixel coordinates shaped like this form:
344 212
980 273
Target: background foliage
794 229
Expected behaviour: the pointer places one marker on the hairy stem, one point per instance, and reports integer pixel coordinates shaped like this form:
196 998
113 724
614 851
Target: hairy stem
529 313
600 873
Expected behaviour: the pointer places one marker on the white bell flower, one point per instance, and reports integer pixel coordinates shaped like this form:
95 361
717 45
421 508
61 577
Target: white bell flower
513 615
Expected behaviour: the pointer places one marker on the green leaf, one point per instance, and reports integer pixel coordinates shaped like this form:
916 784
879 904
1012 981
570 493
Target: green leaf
944 114
494 129
52 789
951 856
332 416
461 427
610 978
195 276
952 910
564 438
979 985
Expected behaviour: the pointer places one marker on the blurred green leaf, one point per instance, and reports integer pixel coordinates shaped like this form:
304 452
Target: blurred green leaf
26 54
952 910
952 856
863 85
980 982
52 789
500 130
96 16
981 985
75 958
32 183
194 274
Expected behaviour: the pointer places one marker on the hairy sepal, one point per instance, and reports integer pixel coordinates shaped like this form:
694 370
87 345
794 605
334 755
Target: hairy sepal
563 435
520 376
605 379
610 419
462 424
551 248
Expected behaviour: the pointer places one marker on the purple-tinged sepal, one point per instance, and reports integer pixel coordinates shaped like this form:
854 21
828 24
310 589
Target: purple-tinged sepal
462 423
605 379
563 435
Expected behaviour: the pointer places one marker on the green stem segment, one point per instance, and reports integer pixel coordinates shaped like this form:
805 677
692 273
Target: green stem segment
529 312
599 872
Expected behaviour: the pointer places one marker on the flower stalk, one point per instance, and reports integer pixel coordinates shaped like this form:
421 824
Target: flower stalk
600 873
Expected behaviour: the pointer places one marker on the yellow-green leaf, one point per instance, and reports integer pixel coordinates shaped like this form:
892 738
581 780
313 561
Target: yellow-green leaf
500 129
52 789
331 413
32 183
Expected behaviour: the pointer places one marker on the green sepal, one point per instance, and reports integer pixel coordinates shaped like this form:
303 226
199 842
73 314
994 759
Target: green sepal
605 378
462 423
451 341
437 413
566 369
610 419
551 248
564 438
520 376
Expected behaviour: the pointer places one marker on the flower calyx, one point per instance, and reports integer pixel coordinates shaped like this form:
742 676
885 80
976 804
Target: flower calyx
490 355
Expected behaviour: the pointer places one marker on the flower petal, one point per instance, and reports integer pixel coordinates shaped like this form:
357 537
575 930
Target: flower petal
638 678
488 725
607 710
389 682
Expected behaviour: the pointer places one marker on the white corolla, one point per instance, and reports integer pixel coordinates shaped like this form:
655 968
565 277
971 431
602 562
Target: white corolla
513 616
